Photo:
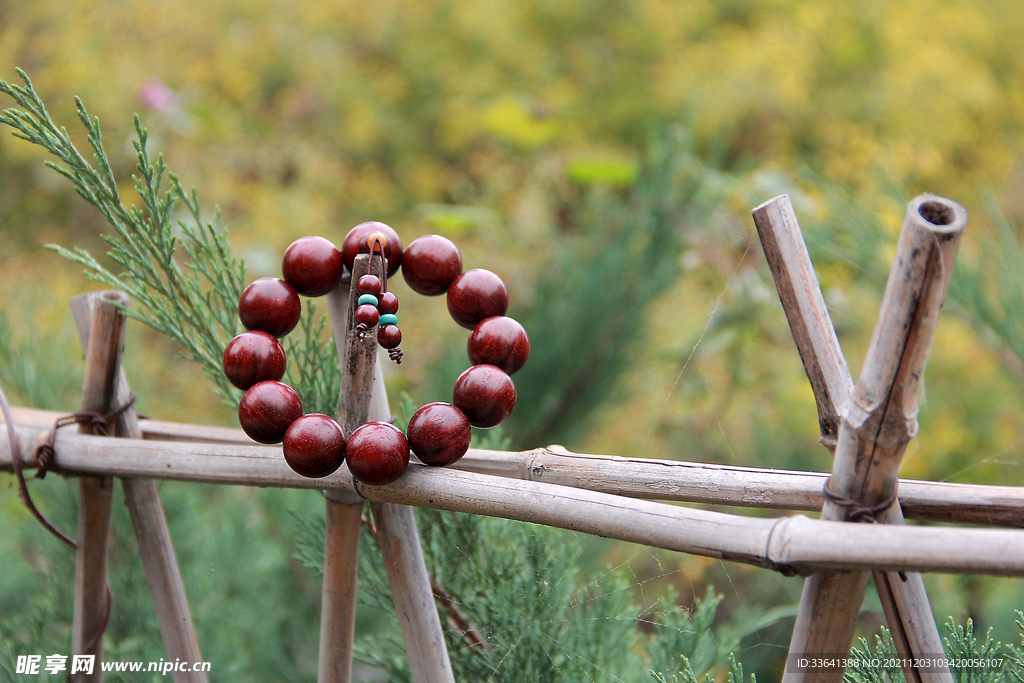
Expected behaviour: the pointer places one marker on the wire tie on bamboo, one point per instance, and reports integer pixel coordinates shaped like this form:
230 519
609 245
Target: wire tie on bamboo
99 424
858 512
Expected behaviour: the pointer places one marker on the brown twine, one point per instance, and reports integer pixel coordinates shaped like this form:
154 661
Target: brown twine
45 457
858 512
98 424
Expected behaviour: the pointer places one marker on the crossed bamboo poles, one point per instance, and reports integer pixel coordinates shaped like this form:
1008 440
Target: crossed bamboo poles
791 545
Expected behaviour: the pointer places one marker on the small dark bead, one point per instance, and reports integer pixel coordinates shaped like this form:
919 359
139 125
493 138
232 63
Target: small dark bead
314 446
267 411
312 265
355 244
377 453
270 305
485 394
388 303
439 434
500 341
253 357
367 314
369 284
389 336
430 264
475 295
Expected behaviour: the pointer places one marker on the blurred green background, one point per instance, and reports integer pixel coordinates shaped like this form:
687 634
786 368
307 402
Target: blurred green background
602 157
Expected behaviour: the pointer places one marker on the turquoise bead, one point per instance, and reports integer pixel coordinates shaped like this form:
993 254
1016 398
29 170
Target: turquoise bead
367 299
388 319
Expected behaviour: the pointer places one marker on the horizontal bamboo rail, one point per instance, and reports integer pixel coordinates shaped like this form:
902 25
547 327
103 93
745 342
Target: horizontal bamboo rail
790 545
672 480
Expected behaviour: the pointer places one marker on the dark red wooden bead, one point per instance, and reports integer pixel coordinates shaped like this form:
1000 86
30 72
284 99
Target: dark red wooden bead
389 337
314 446
270 305
475 295
312 266
369 284
367 314
388 303
430 264
253 357
267 411
377 453
355 244
500 341
439 434
485 394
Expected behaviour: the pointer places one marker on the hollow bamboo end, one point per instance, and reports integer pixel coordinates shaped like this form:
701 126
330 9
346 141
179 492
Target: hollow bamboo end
936 214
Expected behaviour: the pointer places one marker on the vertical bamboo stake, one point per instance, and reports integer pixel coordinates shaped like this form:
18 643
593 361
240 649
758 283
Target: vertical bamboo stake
363 399
342 524
902 594
806 312
156 549
909 615
102 363
881 417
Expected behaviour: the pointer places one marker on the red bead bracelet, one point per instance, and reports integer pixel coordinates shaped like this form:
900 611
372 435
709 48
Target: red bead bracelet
315 445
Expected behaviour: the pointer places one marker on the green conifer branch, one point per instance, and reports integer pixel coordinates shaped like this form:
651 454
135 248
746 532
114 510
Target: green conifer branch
190 295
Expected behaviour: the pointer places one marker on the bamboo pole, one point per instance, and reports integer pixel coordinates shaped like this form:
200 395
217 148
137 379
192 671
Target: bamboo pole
338 600
881 416
398 536
92 597
156 550
806 312
799 545
364 399
671 480
903 596
343 514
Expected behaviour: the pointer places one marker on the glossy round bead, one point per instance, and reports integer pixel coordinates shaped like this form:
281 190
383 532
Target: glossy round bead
439 434
485 394
388 319
475 295
389 336
430 264
369 284
270 305
500 341
355 243
267 411
367 315
388 303
367 299
314 446
253 357
377 453
312 265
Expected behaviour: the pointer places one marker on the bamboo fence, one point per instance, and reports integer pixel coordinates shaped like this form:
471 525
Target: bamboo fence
866 425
